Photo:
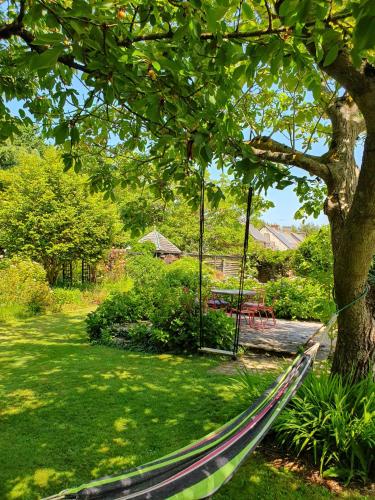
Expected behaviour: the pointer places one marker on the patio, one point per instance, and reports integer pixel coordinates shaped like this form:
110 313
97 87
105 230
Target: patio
284 338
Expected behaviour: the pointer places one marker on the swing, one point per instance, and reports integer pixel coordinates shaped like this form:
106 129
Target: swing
202 348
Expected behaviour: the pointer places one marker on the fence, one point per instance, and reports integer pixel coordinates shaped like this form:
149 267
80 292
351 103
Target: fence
229 265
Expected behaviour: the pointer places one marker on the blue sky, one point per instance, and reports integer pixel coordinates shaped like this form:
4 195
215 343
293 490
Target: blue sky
286 204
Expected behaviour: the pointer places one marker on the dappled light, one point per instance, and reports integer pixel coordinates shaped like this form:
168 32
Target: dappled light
111 409
74 412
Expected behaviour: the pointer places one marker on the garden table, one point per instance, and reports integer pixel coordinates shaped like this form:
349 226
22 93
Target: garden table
225 291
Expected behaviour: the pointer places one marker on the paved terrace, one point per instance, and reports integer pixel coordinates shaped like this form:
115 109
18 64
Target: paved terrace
284 338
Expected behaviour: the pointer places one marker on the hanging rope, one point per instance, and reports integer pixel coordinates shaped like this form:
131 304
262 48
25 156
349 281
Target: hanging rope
243 270
200 251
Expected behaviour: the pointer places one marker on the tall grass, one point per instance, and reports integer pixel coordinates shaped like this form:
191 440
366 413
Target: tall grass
332 421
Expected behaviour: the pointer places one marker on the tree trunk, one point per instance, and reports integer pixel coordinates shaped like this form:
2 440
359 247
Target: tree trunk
52 270
355 348
353 245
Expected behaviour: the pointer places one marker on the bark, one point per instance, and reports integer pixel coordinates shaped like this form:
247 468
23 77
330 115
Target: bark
353 242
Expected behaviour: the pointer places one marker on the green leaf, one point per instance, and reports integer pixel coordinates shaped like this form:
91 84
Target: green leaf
68 161
61 132
331 55
247 11
364 33
74 135
47 59
211 19
48 38
156 65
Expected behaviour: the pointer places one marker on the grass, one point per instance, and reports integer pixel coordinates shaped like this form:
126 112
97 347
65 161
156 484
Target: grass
71 412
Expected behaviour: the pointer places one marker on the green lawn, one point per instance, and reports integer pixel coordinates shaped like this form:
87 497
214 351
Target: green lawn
71 412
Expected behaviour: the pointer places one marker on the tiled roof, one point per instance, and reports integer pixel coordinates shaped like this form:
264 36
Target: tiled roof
299 236
257 235
162 244
286 238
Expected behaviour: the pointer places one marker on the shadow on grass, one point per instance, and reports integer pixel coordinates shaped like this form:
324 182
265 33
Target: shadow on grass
71 411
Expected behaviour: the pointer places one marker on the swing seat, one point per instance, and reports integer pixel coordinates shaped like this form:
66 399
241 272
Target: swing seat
211 350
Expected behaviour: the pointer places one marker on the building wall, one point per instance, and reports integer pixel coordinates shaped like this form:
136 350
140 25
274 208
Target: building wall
276 244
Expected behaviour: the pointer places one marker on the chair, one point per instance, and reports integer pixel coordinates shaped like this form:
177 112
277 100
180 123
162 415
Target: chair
252 310
216 303
257 308
262 307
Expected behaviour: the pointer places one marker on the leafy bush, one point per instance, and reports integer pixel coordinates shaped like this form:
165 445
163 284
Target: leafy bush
121 284
118 309
144 270
180 332
300 298
334 421
167 299
272 264
314 258
23 283
185 273
232 283
62 296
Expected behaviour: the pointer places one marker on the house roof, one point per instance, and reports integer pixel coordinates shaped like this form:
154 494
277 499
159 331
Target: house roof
162 244
299 236
285 237
257 235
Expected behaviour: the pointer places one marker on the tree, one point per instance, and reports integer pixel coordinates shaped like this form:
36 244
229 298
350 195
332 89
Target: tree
48 215
171 78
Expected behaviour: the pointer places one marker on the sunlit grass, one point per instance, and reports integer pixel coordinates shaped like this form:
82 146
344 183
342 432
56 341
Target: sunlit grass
71 412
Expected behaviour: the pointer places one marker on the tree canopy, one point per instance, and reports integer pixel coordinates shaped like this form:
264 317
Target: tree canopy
172 78
49 216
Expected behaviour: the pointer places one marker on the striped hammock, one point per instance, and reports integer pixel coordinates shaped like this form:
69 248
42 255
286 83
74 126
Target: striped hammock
200 469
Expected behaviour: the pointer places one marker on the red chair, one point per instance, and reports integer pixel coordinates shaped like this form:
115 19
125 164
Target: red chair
262 307
252 311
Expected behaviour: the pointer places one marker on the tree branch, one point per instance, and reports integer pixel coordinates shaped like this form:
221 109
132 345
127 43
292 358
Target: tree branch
10 29
271 150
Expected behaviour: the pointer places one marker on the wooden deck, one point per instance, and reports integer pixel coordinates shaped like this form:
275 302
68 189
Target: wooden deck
284 338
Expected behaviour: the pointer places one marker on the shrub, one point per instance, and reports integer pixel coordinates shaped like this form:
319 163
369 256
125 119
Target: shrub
300 298
272 264
314 258
185 273
23 283
121 284
167 298
62 296
147 338
144 269
334 421
179 332
118 309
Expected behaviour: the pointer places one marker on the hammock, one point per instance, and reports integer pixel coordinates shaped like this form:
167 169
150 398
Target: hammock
200 469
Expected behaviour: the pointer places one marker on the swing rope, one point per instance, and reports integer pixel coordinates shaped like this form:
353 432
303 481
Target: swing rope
200 251
243 271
